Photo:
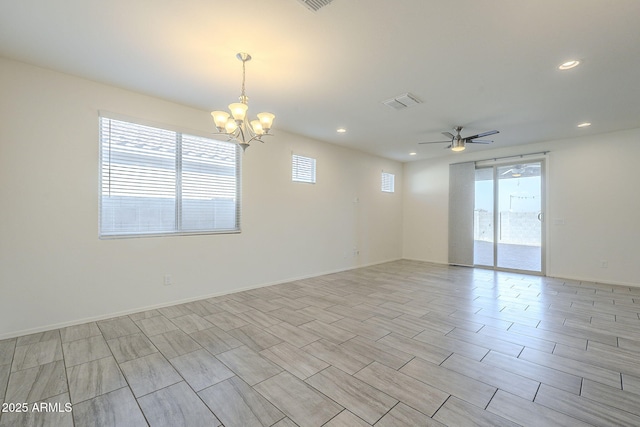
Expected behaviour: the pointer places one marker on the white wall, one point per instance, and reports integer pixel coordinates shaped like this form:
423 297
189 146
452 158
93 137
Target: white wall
426 201
54 270
593 205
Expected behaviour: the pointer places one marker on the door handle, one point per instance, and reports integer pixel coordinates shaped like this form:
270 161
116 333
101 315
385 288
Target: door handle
540 216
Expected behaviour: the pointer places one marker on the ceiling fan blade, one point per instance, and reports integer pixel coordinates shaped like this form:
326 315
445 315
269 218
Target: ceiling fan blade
504 173
480 135
449 134
479 141
434 142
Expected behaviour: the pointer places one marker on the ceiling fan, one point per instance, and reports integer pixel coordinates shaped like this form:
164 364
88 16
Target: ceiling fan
457 142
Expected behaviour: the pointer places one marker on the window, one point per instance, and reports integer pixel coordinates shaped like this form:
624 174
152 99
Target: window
388 182
157 181
303 169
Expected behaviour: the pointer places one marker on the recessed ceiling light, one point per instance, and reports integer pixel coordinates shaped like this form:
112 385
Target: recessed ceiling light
584 125
569 64
341 130
413 153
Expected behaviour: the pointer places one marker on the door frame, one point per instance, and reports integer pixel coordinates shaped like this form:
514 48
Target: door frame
495 164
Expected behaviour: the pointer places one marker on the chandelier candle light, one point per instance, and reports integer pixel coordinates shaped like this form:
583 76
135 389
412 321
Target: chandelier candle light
234 125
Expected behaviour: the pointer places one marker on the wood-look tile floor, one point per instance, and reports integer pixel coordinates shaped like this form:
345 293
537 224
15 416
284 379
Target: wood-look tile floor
397 344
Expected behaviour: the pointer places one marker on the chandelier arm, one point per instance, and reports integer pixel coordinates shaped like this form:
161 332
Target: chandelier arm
240 132
238 136
258 138
229 135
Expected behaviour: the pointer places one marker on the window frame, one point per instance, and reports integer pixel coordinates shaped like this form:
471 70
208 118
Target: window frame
178 229
391 179
297 175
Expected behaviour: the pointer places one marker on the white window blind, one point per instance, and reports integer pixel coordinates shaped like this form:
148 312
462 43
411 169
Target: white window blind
157 181
388 182
303 169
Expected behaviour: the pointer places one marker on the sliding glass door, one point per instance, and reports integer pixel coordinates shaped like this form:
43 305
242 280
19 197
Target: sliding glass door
508 231
483 235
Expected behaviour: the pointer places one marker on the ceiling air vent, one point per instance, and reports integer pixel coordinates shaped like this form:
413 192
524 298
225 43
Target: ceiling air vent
315 5
401 102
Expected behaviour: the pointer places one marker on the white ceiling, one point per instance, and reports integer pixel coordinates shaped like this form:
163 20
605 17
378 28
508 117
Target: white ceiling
489 64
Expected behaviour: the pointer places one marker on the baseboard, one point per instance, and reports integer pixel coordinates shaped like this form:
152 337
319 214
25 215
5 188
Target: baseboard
177 302
591 280
572 278
426 261
257 286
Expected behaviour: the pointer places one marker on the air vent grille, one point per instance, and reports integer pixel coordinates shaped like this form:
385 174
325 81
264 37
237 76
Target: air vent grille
403 101
315 5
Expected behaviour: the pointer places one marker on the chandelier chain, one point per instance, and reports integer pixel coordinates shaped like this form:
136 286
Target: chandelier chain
242 95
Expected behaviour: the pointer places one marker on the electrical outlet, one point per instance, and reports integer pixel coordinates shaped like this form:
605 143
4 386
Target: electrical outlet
167 280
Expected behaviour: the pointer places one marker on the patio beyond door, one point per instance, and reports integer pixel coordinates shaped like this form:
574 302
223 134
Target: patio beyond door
508 217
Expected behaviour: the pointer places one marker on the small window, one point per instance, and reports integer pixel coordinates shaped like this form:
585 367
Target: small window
303 169
388 182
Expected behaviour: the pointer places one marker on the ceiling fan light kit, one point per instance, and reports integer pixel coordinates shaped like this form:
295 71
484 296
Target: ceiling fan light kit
458 143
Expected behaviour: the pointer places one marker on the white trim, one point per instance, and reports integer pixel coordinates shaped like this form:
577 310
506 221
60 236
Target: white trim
182 301
303 169
171 166
388 184
509 160
161 125
583 280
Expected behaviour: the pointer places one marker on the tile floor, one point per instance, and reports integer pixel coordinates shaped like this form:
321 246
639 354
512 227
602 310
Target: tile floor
516 257
397 344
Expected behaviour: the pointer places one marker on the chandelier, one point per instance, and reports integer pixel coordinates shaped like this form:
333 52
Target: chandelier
235 125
